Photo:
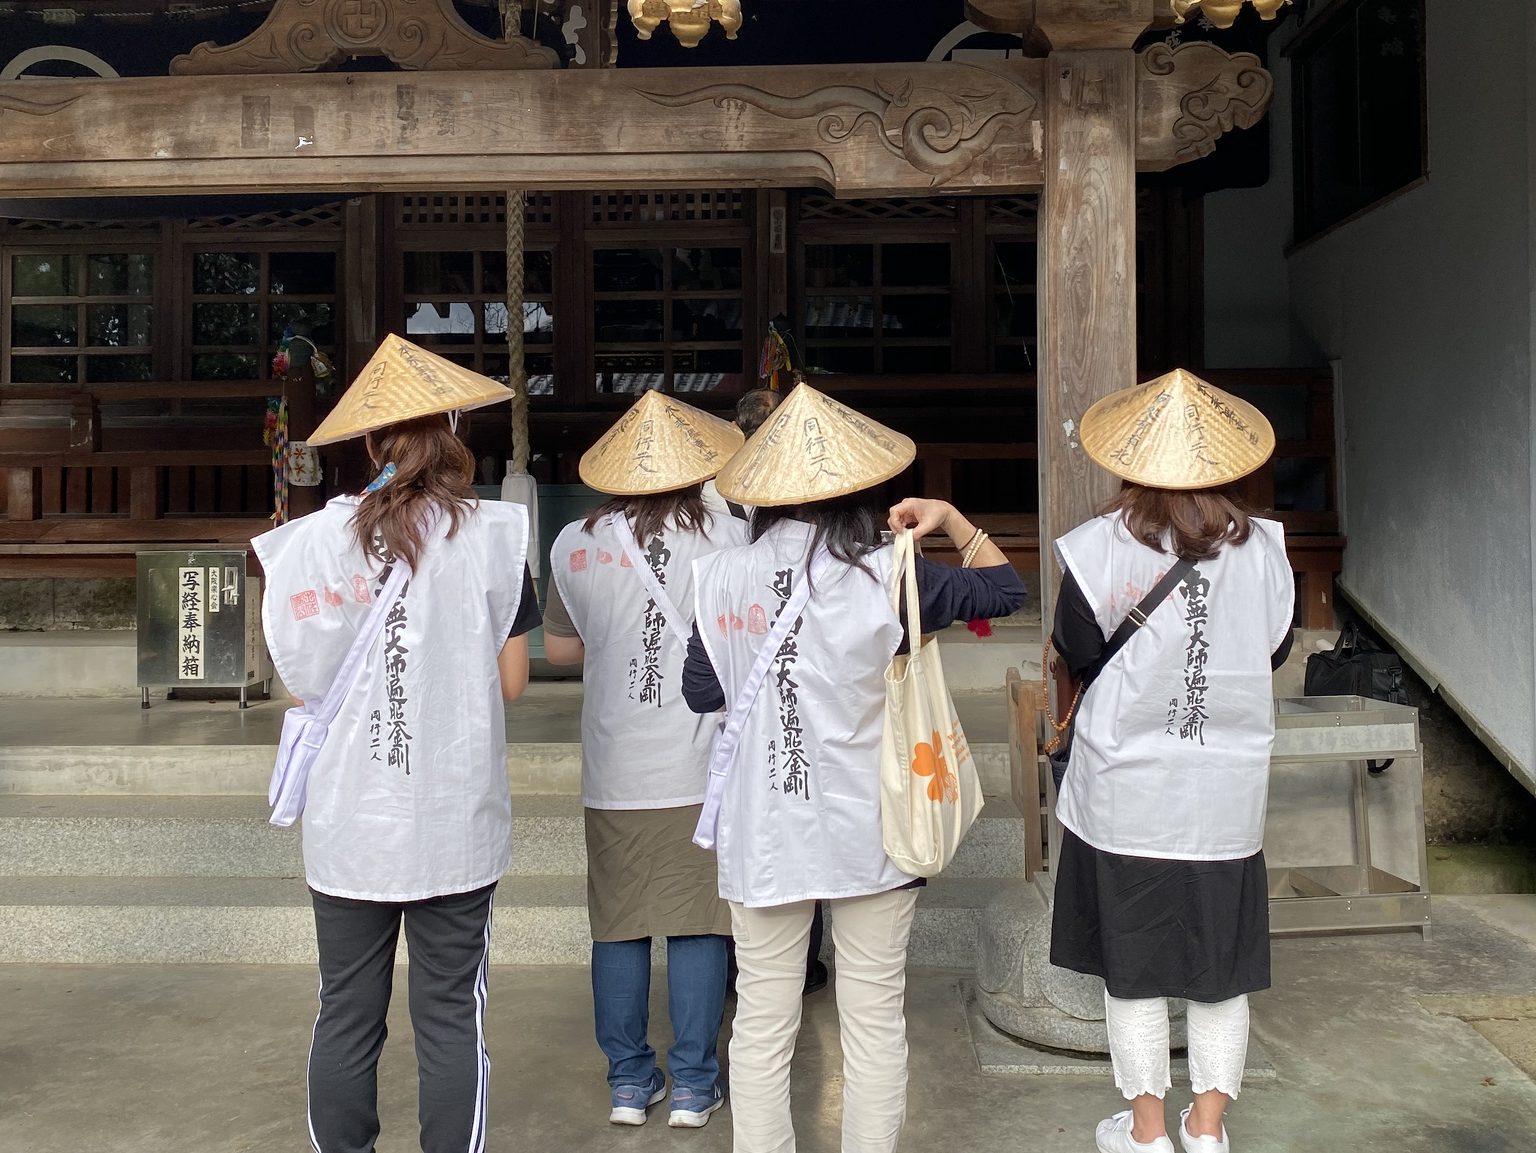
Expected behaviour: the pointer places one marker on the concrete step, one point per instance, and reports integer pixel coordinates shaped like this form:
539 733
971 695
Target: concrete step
128 836
193 920
201 770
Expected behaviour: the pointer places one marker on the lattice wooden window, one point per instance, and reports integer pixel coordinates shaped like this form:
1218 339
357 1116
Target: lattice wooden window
79 317
455 303
669 317
320 217
815 207
878 306
74 225
668 204
458 209
243 300
1012 257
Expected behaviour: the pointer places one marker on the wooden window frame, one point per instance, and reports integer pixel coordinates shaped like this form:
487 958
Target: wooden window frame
82 248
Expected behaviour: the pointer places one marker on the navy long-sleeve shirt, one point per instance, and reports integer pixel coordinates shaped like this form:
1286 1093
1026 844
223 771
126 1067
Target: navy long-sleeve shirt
945 594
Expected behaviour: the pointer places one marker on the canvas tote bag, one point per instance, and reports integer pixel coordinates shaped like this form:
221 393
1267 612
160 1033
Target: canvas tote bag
930 791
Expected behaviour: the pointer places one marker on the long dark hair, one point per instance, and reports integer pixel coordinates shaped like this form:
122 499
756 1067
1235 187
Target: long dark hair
684 508
434 474
847 527
1200 521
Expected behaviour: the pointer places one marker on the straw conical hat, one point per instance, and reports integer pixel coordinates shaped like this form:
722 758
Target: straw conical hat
813 448
659 445
403 382
1177 432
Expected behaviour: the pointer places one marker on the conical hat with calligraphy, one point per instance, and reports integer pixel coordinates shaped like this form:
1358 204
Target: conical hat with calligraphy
812 448
1177 432
659 445
403 382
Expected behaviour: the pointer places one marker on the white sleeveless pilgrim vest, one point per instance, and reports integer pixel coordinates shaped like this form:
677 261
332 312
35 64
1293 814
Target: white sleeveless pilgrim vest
800 817
1170 750
408 798
641 746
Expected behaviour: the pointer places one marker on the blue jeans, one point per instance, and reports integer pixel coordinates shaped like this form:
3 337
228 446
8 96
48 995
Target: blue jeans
621 998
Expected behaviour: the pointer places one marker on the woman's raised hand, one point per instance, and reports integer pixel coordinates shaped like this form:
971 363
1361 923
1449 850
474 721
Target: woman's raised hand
921 516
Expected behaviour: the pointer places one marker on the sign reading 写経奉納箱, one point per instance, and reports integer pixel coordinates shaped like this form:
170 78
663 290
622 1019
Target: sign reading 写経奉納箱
199 624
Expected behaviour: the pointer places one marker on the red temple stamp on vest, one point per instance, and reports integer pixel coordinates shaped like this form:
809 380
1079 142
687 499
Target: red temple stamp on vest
579 560
305 604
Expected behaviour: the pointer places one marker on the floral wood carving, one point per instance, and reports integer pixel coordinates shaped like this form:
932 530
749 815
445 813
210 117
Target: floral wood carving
1192 95
308 35
939 131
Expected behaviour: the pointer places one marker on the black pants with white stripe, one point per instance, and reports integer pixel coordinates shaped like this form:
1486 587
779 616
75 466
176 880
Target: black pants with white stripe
449 943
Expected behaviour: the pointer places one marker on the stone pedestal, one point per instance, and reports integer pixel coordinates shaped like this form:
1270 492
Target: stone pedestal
1023 994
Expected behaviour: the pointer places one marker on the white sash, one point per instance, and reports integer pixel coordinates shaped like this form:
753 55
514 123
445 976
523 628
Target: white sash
305 728
729 738
631 549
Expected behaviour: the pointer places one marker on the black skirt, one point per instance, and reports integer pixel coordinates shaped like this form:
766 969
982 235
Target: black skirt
1155 928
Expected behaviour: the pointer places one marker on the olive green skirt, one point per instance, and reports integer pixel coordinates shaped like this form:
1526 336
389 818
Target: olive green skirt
646 877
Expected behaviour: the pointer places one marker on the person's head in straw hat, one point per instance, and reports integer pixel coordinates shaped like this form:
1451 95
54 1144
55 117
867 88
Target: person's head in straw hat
818 461
654 461
1179 445
405 403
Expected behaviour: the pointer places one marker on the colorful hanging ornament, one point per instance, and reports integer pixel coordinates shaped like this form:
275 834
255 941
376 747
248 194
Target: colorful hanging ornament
275 435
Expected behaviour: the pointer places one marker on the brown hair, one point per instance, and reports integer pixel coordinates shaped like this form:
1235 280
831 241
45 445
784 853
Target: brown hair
1199 520
755 407
683 507
434 472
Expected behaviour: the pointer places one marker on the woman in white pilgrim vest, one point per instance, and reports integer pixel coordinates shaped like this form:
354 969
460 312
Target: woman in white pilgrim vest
1161 886
623 603
799 819
408 816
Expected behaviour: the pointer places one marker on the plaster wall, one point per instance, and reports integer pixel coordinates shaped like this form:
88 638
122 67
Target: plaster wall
1425 304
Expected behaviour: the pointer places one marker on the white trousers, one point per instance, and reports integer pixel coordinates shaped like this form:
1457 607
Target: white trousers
870 935
1138 1045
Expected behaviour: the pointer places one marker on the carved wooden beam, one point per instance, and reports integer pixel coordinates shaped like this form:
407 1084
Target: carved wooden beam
855 130
1190 96
305 35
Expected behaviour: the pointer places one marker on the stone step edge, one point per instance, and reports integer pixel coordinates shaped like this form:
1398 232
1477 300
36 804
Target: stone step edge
551 768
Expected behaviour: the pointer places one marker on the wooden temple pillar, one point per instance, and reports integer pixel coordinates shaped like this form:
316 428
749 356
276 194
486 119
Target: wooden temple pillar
1086 249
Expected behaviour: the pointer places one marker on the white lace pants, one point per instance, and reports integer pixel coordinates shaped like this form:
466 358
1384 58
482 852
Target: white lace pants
1138 1045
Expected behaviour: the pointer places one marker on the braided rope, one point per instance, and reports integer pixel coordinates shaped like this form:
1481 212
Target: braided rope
517 374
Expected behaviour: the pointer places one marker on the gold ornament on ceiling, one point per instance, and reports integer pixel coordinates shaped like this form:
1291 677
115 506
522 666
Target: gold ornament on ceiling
690 19
1222 13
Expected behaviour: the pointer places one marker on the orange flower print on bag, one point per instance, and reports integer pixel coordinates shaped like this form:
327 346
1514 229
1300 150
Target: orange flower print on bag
928 761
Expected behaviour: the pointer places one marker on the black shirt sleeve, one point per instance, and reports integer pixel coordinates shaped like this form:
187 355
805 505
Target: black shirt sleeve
528 616
701 686
947 593
1076 633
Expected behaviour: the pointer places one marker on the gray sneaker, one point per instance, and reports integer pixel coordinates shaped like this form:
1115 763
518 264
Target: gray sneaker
691 1107
631 1101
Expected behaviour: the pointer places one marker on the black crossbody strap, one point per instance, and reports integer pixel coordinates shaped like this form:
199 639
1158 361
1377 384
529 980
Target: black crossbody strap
1138 617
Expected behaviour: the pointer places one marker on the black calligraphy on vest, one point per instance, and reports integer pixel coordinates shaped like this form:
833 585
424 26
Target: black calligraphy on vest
1196 654
657 554
796 764
395 663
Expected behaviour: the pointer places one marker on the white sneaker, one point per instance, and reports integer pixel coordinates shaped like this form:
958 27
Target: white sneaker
1114 1136
1200 1144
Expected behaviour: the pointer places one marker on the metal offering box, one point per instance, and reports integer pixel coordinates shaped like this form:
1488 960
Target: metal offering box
199 618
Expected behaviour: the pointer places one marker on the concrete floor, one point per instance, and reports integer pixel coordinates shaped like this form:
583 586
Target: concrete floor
1381 1045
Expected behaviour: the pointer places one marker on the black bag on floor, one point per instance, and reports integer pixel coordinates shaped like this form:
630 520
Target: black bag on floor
1357 666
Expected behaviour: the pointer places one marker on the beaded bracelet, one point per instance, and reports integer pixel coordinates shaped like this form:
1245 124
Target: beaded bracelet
973 548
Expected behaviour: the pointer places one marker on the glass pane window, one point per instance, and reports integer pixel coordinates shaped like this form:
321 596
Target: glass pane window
456 305
44 326
899 319
243 303
117 325
44 274
669 318
89 304
120 274
1014 305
